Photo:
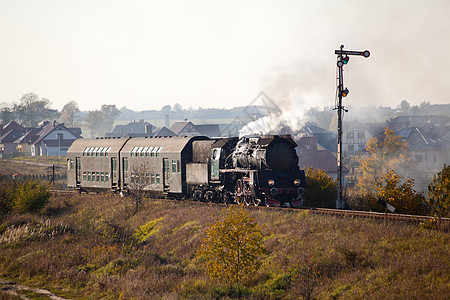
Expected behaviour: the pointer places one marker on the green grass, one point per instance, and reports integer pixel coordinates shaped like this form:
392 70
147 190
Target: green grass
96 247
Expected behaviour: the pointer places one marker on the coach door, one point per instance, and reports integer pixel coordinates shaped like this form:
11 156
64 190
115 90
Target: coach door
166 174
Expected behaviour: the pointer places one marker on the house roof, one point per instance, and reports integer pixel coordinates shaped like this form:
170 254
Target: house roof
211 130
13 125
132 128
310 156
418 139
163 131
177 127
11 135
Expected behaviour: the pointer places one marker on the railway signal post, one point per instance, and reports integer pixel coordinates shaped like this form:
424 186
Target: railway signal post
343 56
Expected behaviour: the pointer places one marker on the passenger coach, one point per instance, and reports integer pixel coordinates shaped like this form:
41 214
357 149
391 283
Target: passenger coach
119 163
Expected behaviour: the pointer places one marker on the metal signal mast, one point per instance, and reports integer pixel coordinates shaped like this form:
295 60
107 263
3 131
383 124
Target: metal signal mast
342 59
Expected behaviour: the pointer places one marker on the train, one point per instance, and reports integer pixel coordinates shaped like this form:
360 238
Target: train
261 170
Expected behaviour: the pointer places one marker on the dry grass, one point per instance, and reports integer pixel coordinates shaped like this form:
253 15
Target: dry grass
86 247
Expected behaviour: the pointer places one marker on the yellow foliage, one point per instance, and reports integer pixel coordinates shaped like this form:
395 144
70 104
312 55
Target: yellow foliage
233 246
145 231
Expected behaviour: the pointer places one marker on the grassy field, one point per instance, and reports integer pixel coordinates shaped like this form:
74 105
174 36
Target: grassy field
96 247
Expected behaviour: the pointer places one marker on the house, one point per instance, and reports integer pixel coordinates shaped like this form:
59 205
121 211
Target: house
311 155
429 152
10 133
49 138
187 128
132 129
354 137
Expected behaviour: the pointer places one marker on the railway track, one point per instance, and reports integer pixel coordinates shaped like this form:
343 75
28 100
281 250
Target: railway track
445 222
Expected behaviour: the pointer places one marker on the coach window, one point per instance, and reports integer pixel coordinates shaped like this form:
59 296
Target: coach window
174 166
140 151
149 150
153 154
144 151
95 151
159 150
98 176
158 179
153 178
86 151
107 151
106 176
102 177
91 152
133 151
84 176
104 151
100 151
88 176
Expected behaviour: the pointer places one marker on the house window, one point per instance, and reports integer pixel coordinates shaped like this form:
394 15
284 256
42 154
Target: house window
106 176
84 176
98 176
102 177
158 179
89 176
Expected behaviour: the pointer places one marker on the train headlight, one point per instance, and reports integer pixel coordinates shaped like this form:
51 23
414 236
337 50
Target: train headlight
271 182
273 191
300 191
297 182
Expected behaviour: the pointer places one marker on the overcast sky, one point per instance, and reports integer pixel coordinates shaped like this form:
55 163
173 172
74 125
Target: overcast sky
146 54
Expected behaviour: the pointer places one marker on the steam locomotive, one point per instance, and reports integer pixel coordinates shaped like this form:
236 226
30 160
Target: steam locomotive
251 170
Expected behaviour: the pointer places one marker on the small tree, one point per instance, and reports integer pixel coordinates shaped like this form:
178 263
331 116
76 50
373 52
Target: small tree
322 189
140 179
31 196
438 199
233 246
400 195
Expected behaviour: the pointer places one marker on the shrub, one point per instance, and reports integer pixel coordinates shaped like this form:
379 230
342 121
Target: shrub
233 246
31 196
321 189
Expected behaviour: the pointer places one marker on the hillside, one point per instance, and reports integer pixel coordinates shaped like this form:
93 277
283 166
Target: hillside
94 247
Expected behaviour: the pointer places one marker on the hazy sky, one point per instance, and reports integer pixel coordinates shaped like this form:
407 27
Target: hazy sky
146 54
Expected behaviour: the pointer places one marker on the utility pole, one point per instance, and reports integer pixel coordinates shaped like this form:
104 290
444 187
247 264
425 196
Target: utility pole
342 59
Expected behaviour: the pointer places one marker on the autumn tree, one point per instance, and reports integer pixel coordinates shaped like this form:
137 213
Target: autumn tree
101 121
233 246
7 114
33 109
68 113
386 152
438 199
321 189
400 193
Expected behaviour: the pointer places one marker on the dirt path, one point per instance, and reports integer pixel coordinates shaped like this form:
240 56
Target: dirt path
12 288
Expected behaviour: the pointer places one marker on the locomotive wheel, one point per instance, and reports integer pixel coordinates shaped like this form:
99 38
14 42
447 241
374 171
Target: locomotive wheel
256 201
238 192
248 199
226 197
